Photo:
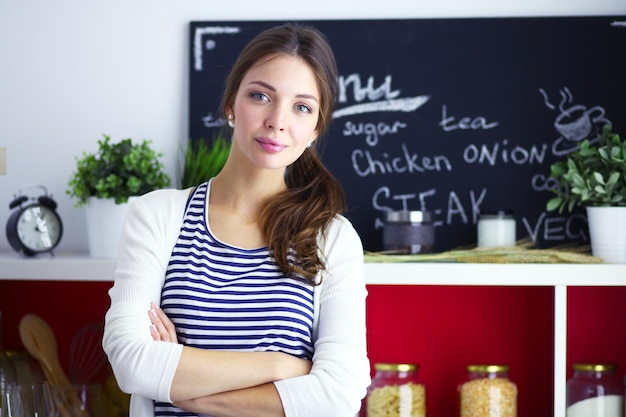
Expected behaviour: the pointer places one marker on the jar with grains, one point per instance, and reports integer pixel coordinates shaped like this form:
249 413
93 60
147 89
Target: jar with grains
396 391
487 391
595 390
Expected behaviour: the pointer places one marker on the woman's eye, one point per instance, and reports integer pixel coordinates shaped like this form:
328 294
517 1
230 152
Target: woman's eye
260 96
303 108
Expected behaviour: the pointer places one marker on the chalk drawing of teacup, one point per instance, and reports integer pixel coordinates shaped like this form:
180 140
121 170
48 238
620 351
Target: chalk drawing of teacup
577 122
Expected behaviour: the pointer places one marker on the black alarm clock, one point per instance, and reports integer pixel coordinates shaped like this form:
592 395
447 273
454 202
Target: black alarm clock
34 227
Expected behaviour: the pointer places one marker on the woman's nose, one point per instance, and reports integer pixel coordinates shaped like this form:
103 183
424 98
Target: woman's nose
276 119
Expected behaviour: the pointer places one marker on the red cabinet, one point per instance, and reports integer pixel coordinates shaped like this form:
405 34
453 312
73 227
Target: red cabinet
537 318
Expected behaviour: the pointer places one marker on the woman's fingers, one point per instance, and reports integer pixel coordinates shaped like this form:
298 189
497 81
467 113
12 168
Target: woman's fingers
162 327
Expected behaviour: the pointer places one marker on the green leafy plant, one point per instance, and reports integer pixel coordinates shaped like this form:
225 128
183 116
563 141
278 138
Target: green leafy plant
593 175
203 160
118 171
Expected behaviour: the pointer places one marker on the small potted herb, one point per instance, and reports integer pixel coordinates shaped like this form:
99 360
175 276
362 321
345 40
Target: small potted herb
117 171
203 160
104 182
594 177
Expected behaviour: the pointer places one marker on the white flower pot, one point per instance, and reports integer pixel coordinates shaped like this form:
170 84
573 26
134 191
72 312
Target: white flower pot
607 232
104 226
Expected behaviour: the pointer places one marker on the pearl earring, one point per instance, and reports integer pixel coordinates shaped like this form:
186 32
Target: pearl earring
309 144
231 122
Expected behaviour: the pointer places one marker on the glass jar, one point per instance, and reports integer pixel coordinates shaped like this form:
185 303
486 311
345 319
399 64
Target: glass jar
496 228
396 391
27 368
487 391
8 375
408 232
595 390
88 400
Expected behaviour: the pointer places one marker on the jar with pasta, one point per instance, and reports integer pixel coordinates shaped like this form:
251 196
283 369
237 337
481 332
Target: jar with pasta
487 391
396 391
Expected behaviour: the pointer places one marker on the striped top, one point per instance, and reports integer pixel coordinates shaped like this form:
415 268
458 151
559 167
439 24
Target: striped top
228 298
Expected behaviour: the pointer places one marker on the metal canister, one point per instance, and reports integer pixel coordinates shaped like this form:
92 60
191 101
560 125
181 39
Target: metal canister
408 232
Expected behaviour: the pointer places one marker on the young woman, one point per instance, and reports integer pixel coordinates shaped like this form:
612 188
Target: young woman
253 281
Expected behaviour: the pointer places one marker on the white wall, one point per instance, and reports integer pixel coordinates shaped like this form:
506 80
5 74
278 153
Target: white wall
71 70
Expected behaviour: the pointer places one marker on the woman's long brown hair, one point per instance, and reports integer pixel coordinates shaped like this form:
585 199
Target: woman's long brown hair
293 220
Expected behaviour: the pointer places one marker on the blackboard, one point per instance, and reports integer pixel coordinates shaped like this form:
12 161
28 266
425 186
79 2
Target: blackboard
453 116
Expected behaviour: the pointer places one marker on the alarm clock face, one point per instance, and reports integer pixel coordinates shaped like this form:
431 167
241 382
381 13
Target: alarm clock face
39 228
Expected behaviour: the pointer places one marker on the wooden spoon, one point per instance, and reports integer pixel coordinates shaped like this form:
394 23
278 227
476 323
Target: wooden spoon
39 340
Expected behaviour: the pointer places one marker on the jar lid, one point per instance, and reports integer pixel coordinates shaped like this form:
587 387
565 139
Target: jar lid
496 212
595 367
405 216
488 368
400 367
20 354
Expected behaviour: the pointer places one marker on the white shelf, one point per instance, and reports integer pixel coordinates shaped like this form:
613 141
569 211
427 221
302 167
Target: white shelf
81 267
418 273
64 267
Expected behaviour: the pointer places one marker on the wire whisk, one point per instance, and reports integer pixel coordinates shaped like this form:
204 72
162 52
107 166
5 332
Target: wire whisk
87 358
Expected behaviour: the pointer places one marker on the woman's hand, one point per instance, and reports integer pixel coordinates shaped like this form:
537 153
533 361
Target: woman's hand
162 327
284 365
233 376
258 401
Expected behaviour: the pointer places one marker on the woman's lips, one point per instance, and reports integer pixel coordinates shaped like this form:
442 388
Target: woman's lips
270 145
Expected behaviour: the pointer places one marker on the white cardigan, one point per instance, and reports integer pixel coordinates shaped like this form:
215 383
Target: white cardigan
340 374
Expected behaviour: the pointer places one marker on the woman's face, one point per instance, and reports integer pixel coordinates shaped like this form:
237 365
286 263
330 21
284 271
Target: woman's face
276 110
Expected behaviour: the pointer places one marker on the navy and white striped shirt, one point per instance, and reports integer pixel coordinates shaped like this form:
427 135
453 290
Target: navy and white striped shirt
223 297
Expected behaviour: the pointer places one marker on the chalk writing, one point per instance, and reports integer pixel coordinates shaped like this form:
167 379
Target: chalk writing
427 121
518 155
465 123
398 105
384 200
365 164
541 182
198 44
557 227
211 121
368 92
380 99
372 131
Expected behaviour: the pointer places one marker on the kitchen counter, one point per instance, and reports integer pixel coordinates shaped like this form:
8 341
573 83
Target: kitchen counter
82 267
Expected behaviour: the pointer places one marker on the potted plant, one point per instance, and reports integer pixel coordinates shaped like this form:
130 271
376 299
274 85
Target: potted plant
203 160
594 177
104 181
117 171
